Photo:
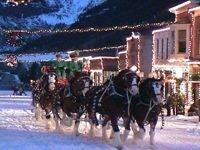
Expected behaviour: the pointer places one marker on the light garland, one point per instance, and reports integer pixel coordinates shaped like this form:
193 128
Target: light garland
116 28
139 52
17 2
191 38
77 50
101 49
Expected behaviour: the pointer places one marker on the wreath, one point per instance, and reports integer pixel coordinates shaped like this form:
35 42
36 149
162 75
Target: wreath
11 60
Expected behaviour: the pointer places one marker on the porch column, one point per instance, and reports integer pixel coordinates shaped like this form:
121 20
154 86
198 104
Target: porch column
176 41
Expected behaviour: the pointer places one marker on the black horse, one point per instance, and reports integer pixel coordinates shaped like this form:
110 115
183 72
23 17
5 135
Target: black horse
74 102
147 106
113 100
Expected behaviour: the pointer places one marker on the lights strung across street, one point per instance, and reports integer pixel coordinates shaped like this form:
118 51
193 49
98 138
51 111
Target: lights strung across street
116 28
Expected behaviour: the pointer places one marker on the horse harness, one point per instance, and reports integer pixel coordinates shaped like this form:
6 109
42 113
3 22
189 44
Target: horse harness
110 89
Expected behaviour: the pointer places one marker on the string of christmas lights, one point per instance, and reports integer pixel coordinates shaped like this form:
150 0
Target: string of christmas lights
116 28
77 50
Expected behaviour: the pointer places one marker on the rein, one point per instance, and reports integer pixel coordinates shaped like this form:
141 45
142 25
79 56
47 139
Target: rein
129 101
148 112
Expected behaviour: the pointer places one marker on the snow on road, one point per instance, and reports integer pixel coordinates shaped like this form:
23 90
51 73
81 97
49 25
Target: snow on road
20 130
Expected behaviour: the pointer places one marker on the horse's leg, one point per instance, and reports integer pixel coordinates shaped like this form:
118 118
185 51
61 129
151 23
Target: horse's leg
76 125
48 118
57 121
104 127
38 112
63 118
92 122
56 116
152 127
141 133
152 132
66 119
117 140
127 122
91 131
134 128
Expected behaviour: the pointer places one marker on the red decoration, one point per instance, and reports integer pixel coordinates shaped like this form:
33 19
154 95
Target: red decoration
11 60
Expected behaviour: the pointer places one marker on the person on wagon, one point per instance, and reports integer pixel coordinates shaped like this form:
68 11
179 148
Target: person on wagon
60 67
74 65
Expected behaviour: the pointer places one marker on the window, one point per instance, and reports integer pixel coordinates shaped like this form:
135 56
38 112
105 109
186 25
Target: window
173 42
167 48
199 41
162 49
182 41
157 48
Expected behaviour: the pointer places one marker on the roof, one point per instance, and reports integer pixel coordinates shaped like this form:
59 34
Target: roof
194 9
161 30
173 9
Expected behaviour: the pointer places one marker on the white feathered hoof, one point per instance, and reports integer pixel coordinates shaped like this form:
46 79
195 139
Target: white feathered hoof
124 136
91 131
38 118
117 141
76 132
104 134
37 115
49 125
67 122
152 135
140 134
112 134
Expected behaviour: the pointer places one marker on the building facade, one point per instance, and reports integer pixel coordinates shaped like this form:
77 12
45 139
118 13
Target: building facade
138 53
102 68
176 51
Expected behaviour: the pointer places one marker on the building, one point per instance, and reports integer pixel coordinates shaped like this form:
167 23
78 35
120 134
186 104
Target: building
138 53
123 64
176 51
102 68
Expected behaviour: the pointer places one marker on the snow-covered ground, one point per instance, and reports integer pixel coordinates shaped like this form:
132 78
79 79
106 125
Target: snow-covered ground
20 130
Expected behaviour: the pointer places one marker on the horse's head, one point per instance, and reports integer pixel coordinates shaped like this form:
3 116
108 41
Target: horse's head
152 89
81 83
128 79
51 81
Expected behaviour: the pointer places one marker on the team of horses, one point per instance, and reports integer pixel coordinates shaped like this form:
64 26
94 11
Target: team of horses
122 96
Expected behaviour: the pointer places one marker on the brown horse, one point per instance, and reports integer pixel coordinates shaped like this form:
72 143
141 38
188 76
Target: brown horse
75 101
112 100
147 106
46 97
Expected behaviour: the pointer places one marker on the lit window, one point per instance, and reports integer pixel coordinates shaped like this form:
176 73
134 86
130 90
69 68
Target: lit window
162 49
199 41
167 48
157 48
182 41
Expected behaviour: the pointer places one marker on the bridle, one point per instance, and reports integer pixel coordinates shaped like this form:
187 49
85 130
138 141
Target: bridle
84 79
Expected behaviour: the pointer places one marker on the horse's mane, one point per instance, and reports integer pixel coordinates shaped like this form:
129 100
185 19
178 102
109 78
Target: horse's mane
144 86
119 78
123 72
